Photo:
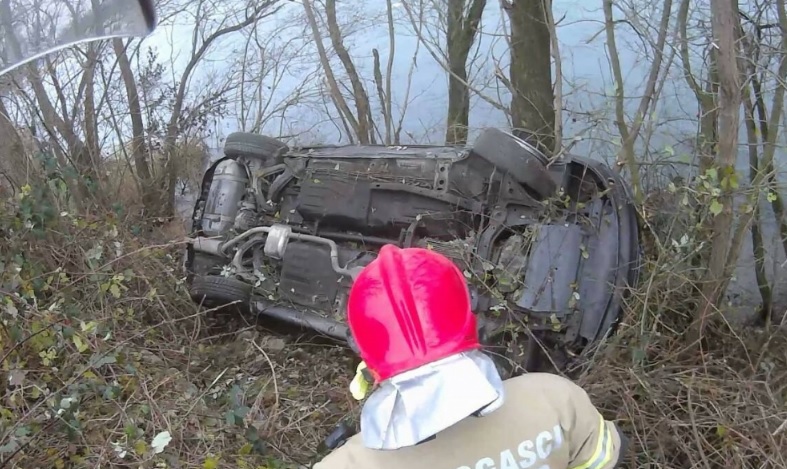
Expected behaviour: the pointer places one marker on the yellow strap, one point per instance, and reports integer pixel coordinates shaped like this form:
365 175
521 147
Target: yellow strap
603 453
359 385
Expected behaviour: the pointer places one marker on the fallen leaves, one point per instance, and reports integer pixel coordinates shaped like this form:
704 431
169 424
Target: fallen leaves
160 441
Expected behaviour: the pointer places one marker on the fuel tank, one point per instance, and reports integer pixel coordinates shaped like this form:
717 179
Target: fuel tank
226 191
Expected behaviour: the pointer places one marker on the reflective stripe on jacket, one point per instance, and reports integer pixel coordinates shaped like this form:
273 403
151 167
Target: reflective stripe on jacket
546 422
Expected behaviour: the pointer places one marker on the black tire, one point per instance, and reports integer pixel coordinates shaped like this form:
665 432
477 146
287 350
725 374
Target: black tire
518 158
215 290
255 146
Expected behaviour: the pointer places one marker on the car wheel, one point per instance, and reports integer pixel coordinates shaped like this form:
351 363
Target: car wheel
255 146
518 158
215 290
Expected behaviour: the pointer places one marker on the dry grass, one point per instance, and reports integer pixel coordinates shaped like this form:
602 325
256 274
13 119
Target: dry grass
725 408
719 403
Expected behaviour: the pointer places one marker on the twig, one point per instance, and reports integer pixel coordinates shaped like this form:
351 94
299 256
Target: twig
273 373
207 389
781 427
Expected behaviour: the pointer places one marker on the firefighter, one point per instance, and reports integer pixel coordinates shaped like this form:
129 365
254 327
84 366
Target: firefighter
438 400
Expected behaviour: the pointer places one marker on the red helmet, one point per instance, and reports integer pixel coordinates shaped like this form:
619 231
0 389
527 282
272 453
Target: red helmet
407 308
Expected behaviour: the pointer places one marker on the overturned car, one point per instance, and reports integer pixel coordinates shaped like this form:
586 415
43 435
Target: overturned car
548 248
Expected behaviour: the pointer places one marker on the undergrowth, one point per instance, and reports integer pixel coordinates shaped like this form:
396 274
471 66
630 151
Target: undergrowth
107 363
724 408
719 403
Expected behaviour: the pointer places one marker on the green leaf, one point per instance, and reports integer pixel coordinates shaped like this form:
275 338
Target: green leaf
114 289
715 207
98 360
9 447
771 197
89 327
242 411
211 462
733 181
229 417
80 344
638 355
140 447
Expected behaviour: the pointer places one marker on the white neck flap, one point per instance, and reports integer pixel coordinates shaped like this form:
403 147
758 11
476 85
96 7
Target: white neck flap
415 405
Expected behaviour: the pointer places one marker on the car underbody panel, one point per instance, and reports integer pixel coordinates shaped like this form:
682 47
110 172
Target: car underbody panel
555 257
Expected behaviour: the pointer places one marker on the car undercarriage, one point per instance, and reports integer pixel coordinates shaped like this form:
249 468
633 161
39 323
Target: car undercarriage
548 248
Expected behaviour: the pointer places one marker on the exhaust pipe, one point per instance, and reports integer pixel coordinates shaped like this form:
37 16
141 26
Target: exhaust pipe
313 321
277 237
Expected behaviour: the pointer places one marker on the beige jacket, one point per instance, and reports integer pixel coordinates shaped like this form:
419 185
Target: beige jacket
546 422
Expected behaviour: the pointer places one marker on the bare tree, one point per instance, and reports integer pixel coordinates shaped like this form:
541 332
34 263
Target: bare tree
60 123
724 27
277 74
359 123
139 148
630 133
705 94
754 71
201 42
433 35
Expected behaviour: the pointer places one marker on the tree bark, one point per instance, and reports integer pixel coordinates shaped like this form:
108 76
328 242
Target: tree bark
532 111
333 87
758 245
706 96
139 150
362 109
461 32
724 20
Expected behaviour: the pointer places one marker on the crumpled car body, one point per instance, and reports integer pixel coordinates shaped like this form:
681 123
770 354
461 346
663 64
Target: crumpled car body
548 248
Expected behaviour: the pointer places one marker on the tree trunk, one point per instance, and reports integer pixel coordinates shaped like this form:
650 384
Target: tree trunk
532 112
724 20
139 151
458 102
92 145
336 95
758 246
705 95
10 144
365 131
461 32
777 204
